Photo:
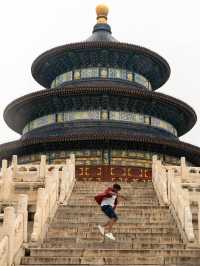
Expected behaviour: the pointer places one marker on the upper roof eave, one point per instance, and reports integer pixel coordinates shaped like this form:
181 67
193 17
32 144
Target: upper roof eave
40 61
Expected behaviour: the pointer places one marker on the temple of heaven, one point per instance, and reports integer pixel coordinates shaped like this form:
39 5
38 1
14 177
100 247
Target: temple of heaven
100 103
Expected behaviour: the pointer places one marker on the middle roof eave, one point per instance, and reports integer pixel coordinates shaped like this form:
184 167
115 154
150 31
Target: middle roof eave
34 105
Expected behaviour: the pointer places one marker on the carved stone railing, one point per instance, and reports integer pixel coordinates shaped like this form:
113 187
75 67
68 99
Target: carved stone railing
168 182
160 181
67 180
179 199
46 206
46 186
49 197
4 251
26 179
14 233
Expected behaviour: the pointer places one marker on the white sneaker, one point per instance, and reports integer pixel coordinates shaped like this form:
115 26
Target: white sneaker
101 229
110 235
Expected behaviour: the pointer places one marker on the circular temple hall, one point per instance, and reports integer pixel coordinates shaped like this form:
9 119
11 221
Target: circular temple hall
100 102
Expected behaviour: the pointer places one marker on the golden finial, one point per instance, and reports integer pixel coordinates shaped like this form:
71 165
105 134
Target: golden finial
102 13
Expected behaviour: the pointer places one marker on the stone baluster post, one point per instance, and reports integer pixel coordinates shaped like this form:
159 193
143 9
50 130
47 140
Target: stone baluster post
48 188
9 230
63 182
184 171
72 158
170 178
72 163
4 168
43 166
7 181
159 166
154 166
22 209
188 217
164 182
14 165
57 183
38 229
69 170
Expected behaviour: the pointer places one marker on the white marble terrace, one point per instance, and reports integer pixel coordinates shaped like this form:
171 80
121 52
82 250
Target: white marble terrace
179 188
44 187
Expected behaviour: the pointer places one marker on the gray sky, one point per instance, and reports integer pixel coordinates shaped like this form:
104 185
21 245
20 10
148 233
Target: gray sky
168 27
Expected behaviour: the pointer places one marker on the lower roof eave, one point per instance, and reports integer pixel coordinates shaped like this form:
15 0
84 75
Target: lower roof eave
139 142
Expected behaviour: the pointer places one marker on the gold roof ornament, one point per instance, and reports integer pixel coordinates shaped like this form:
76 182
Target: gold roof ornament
102 11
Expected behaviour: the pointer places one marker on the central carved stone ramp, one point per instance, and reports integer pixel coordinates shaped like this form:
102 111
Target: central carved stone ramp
146 233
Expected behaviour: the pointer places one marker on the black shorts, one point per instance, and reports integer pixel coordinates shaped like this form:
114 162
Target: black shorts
108 210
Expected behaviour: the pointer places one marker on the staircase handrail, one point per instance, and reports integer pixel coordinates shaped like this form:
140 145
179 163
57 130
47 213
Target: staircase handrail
180 201
51 195
14 231
169 189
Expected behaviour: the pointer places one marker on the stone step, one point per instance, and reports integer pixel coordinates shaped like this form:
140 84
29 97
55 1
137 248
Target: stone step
120 238
93 222
122 217
84 203
92 226
106 245
129 215
55 252
134 184
130 198
144 217
128 204
134 259
110 183
126 213
124 185
128 192
135 238
139 219
118 228
128 208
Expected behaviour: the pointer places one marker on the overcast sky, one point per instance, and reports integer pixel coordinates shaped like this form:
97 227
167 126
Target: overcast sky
168 27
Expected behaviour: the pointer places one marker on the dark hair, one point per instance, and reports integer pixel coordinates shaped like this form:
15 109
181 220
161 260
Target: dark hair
117 187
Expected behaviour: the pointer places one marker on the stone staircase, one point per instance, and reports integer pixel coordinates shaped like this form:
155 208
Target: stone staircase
146 233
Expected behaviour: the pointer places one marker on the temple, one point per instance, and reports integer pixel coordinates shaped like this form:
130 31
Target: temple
100 103
99 120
